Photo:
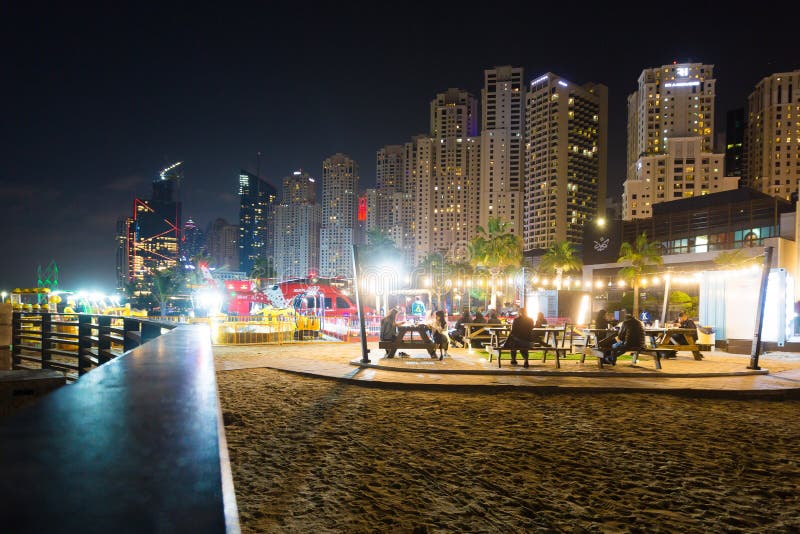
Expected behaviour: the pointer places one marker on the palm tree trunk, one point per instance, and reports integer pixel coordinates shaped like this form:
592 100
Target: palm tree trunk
636 297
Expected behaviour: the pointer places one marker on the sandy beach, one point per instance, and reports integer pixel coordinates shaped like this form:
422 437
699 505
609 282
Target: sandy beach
316 455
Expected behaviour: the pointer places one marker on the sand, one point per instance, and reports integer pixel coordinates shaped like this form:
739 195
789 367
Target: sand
316 455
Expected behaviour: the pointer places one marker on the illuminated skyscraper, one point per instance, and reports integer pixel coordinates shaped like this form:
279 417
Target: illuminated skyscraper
566 137
297 228
339 187
454 188
193 240
155 229
502 132
672 101
772 135
222 244
389 192
671 139
415 209
682 170
256 201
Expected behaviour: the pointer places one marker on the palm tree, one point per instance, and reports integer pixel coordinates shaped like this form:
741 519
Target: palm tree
560 258
640 256
166 284
495 248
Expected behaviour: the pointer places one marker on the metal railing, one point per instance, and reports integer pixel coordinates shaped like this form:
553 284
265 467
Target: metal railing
76 343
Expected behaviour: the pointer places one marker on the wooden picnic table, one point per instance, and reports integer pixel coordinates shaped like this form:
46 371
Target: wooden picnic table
554 339
406 340
660 338
476 334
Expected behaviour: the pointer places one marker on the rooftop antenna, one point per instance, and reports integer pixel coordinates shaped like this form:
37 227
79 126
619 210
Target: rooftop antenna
258 164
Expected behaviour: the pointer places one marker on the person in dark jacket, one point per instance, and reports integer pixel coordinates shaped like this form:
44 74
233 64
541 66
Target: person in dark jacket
631 336
601 321
683 321
520 337
389 326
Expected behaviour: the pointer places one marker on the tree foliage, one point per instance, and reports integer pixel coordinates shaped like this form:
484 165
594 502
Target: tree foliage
640 256
495 249
560 258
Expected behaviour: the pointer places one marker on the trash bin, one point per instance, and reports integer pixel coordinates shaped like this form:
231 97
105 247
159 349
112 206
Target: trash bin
706 336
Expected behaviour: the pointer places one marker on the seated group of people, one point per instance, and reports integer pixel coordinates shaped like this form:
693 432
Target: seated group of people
630 335
436 328
459 331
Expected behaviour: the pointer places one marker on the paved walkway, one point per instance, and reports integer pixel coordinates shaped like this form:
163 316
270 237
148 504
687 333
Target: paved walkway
718 374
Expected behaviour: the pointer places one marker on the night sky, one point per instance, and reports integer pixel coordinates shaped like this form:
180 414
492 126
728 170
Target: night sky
96 101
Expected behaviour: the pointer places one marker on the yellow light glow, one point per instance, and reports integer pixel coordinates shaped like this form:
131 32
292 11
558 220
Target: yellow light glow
583 310
621 283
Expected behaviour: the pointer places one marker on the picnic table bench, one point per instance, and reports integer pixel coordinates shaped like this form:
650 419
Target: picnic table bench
656 349
660 338
554 339
406 340
479 334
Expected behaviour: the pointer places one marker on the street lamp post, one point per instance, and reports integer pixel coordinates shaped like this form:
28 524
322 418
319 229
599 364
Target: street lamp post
362 324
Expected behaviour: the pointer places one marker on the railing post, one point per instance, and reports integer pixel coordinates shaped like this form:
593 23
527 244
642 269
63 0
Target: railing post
84 339
132 338
44 336
149 332
103 338
16 328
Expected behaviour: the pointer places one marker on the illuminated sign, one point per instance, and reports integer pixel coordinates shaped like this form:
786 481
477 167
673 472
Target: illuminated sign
362 208
683 72
681 84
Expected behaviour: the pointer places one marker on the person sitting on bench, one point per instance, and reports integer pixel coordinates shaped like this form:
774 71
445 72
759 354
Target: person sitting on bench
389 326
438 328
457 333
520 337
631 337
682 322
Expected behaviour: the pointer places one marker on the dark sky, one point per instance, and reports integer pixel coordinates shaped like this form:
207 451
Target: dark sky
96 101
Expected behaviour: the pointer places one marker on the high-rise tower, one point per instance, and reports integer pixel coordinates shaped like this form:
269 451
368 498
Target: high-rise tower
155 229
389 192
455 185
502 133
671 139
256 202
565 159
297 228
339 188
671 101
772 135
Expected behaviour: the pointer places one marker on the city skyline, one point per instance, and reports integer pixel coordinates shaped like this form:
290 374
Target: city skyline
98 102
